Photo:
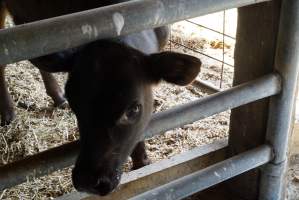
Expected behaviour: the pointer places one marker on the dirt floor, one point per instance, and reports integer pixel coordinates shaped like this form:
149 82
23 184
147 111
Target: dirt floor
40 126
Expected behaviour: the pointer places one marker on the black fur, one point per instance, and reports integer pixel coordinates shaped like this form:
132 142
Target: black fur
109 89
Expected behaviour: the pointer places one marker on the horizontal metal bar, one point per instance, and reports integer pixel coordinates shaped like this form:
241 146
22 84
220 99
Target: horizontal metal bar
206 86
149 177
38 165
210 176
64 156
56 34
282 107
196 51
245 93
210 29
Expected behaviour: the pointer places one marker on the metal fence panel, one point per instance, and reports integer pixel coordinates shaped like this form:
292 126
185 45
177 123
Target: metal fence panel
209 176
56 34
64 156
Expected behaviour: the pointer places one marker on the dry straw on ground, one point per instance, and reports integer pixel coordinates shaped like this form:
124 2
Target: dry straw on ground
40 126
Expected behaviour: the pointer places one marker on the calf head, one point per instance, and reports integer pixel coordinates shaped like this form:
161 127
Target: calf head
109 90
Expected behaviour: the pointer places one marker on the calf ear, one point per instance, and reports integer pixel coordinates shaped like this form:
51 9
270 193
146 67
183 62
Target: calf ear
173 67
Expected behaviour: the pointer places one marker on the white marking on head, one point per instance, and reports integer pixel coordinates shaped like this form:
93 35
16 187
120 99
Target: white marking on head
119 22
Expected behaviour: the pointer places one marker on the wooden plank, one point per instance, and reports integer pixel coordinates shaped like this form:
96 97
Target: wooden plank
156 174
254 57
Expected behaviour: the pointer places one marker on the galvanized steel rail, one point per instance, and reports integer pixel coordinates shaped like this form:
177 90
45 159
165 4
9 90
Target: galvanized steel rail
64 156
245 93
282 106
56 34
38 165
198 181
136 182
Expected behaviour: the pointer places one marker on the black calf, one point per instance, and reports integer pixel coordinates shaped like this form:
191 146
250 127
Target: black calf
109 89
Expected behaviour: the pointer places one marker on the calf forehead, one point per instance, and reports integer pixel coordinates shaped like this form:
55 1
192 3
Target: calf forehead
113 72
115 60
112 101
121 72
116 95
120 91
118 82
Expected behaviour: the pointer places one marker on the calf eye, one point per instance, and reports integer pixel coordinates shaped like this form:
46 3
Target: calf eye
131 114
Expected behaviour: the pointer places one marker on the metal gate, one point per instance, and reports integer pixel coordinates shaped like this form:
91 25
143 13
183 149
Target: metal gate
52 35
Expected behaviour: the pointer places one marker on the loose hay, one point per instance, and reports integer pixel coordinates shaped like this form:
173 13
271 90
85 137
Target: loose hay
43 127
40 126
35 129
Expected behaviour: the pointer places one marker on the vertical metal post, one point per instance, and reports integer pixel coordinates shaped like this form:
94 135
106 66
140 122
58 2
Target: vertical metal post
282 106
255 51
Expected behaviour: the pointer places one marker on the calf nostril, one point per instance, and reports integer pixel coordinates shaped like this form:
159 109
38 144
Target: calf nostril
103 186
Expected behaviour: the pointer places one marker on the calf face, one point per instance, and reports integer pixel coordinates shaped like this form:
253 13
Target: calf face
109 90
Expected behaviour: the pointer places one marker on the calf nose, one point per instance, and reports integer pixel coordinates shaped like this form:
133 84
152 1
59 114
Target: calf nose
104 186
